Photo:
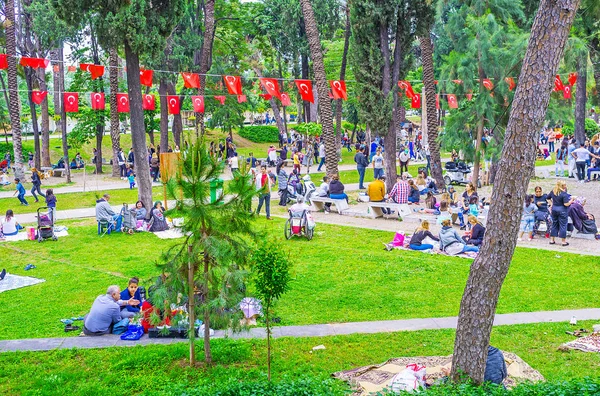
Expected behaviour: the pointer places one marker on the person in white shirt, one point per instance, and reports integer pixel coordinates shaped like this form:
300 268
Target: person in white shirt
324 188
233 163
4 179
9 224
321 156
582 155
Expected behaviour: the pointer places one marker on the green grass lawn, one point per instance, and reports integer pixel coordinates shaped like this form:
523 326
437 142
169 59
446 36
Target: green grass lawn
342 275
162 369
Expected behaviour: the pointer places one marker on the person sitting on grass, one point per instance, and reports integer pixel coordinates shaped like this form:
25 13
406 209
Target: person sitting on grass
583 222
414 196
9 225
105 312
4 179
451 243
475 236
105 213
430 205
132 292
159 223
422 232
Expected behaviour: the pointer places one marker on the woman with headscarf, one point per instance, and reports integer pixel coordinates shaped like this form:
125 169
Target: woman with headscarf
583 222
159 223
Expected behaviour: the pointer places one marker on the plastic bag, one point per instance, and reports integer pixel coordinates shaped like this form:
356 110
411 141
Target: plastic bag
398 239
133 333
410 379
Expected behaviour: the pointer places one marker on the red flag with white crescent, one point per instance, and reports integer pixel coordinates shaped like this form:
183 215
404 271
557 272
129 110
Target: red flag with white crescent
285 99
95 70
558 84
97 100
71 102
270 84
572 78
198 102
220 99
191 80
34 63
122 103
452 102
338 89
38 97
70 69
233 84
415 102
437 101
511 83
305 90
567 91
265 96
173 104
3 61
242 98
407 88
488 83
148 102
146 77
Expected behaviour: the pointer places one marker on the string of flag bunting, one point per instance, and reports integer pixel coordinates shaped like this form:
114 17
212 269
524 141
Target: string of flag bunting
233 84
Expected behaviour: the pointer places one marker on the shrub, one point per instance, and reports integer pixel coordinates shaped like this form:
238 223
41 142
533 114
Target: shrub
591 128
260 133
309 128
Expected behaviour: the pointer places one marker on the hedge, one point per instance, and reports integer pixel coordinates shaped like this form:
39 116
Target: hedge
260 133
591 128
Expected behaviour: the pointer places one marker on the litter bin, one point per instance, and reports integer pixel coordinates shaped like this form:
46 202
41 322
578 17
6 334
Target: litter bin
216 189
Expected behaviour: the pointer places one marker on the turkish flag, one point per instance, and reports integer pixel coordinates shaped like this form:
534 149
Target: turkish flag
70 69
71 102
220 98
148 102
122 103
35 63
242 98
233 84
97 99
305 89
285 99
95 70
38 97
191 80
511 83
567 92
407 88
271 86
452 102
415 102
457 81
173 103
572 78
470 96
198 102
146 77
3 62
488 83
338 89
265 96
558 84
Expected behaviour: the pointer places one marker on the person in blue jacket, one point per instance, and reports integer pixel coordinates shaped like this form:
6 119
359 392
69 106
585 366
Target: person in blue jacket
132 291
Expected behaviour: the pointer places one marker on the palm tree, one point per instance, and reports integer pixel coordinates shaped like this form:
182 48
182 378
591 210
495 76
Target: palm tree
325 111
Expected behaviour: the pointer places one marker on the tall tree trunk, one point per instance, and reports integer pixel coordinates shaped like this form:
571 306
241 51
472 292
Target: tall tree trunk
99 86
29 76
138 131
325 112
207 352
431 121
205 60
177 121
305 70
595 56
13 87
191 305
46 161
115 133
478 306
273 102
338 105
63 113
581 98
5 92
164 113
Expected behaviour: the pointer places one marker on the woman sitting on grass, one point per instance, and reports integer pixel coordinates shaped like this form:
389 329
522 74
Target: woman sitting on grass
477 232
430 205
422 232
10 226
159 223
451 243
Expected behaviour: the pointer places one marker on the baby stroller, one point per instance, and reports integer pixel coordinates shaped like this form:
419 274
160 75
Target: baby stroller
458 173
45 225
299 224
129 223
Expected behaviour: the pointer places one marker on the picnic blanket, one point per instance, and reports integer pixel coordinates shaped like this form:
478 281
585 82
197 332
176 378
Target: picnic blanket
369 380
468 255
22 236
171 233
589 343
11 282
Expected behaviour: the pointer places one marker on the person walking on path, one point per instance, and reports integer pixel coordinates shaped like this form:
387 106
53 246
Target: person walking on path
404 159
20 192
561 156
263 184
378 164
37 183
321 156
361 164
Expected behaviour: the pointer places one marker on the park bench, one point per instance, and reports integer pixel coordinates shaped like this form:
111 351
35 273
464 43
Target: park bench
376 209
319 203
58 172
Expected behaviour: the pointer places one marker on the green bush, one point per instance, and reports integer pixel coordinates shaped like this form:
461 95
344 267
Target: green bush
260 133
591 128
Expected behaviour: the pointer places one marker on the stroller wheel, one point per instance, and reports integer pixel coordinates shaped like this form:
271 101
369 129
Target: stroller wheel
54 238
130 231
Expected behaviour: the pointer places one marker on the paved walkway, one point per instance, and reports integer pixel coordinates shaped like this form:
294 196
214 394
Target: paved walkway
319 330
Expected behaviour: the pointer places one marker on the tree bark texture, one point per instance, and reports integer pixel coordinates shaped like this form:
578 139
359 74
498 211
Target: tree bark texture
581 98
338 105
164 113
63 113
115 133
325 111
138 130
177 127
206 53
207 351
29 77
191 305
516 167
273 103
46 160
432 125
13 86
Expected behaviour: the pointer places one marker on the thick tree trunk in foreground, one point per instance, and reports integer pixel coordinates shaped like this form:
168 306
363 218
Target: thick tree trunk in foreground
138 131
205 60
325 112
581 98
13 86
115 137
432 125
478 306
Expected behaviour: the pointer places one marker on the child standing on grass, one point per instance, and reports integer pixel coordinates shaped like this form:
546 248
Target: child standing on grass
131 179
21 192
51 202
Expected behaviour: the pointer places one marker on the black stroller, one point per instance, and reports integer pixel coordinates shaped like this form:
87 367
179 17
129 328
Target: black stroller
45 224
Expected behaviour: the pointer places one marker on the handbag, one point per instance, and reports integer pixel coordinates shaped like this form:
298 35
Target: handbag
133 333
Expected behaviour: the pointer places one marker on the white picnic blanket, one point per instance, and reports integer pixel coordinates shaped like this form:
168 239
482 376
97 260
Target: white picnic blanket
22 236
171 233
11 282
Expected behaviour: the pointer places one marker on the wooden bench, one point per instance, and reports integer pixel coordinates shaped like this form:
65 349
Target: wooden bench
319 203
376 209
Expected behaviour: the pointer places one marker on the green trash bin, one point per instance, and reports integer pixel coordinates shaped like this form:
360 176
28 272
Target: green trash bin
216 189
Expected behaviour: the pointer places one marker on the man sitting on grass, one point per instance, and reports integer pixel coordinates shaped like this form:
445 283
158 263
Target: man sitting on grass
105 312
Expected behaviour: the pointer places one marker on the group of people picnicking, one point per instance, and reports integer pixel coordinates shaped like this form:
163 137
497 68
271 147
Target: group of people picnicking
153 220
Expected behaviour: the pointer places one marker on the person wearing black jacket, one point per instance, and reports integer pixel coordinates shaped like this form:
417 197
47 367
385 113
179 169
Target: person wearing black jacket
37 182
477 232
361 164
416 241
130 157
